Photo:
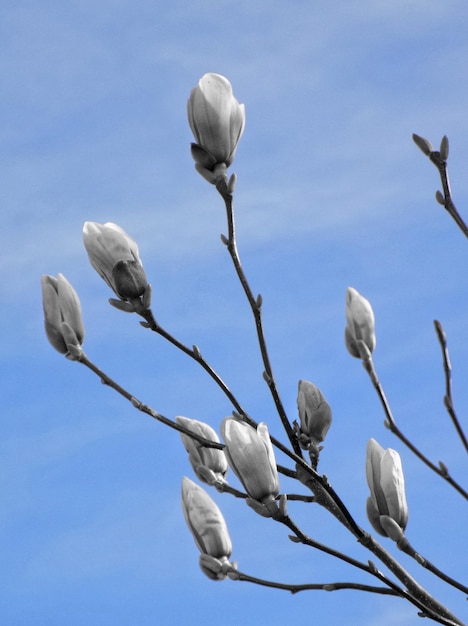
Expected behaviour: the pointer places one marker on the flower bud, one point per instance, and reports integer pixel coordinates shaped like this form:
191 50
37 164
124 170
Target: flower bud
205 521
387 487
217 121
62 313
201 457
360 323
250 455
314 414
114 255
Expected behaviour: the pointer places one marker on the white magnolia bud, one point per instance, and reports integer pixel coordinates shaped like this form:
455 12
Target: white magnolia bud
217 121
115 257
201 456
386 482
62 313
205 521
360 322
314 412
251 457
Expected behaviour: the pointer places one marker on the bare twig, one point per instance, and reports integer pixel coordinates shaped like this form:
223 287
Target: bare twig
439 159
236 575
405 546
448 401
144 408
441 469
256 306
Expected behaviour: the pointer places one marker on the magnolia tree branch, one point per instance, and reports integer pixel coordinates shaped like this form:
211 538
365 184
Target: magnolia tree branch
323 494
323 499
448 400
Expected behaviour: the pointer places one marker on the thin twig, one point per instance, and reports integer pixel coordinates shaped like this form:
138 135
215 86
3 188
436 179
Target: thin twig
415 594
256 306
430 606
441 469
194 353
439 159
144 408
405 546
448 400
236 575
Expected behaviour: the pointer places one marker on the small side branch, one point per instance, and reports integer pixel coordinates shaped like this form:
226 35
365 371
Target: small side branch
439 159
441 469
234 574
405 546
448 401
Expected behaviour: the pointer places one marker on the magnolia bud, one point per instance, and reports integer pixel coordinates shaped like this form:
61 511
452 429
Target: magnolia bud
62 314
201 457
250 455
114 255
205 521
387 487
314 414
217 121
360 323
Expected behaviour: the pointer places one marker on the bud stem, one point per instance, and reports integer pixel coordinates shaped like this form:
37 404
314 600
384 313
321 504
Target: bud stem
255 305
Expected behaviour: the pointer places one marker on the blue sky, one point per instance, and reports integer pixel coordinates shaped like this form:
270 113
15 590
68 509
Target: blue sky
331 193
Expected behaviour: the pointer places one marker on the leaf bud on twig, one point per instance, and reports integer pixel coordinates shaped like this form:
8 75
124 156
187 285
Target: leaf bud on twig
423 144
444 148
440 197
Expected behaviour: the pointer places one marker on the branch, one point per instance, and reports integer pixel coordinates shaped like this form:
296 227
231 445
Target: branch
234 574
448 401
439 159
